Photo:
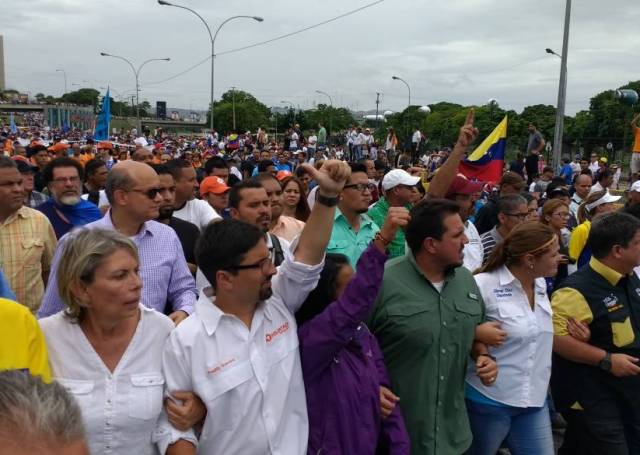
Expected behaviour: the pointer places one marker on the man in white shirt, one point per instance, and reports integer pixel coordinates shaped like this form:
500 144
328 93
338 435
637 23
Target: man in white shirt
416 138
462 192
582 187
188 208
239 352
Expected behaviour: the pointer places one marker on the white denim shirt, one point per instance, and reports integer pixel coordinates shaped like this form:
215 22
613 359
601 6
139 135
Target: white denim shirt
524 359
120 409
249 379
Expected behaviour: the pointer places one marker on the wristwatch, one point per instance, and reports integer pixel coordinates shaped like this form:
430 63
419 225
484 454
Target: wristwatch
605 364
326 200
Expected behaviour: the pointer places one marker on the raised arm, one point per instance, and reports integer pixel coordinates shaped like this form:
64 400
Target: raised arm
317 231
442 180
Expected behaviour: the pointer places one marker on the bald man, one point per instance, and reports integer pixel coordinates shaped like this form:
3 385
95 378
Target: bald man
142 155
133 190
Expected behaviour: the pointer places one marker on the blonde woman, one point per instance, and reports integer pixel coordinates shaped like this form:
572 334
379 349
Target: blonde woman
106 347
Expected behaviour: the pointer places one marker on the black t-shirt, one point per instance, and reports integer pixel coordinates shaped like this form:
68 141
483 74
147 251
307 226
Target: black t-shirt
188 234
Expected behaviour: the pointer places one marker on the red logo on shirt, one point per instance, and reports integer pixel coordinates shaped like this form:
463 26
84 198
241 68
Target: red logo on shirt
219 367
277 332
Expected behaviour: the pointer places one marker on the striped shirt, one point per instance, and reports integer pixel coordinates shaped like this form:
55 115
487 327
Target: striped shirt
489 241
27 243
165 275
36 198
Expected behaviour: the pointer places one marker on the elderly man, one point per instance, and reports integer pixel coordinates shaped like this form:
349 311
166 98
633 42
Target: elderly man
27 240
33 198
133 190
38 418
66 209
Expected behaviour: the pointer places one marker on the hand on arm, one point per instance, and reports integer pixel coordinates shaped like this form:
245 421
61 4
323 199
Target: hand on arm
388 401
178 316
486 367
490 333
186 415
442 180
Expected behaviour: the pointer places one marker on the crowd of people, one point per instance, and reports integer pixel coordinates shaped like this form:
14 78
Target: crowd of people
240 295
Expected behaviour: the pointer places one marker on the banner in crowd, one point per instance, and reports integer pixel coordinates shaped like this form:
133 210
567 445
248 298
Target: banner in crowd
486 162
104 118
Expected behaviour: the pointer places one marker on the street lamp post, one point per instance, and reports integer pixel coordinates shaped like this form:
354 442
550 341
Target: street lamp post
212 38
562 89
136 73
396 78
64 73
330 113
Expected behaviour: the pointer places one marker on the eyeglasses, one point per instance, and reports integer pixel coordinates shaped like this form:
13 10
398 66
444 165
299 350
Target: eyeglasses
362 187
151 193
73 179
265 264
520 216
562 215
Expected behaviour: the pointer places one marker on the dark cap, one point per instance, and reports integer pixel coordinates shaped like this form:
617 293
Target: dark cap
513 179
461 185
24 167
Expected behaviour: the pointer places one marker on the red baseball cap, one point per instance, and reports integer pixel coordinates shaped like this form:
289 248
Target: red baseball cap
462 185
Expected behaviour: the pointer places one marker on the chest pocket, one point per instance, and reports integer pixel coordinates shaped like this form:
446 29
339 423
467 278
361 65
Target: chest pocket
32 252
415 320
81 391
145 395
621 329
468 313
338 245
223 396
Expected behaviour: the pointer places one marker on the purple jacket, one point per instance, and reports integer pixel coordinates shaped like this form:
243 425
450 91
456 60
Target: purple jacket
343 369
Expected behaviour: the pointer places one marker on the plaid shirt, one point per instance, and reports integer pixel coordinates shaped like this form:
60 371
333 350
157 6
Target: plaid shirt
27 243
165 275
36 198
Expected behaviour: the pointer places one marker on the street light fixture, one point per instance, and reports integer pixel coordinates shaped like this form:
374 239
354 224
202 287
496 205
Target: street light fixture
212 38
396 78
136 73
552 52
562 89
330 112
64 73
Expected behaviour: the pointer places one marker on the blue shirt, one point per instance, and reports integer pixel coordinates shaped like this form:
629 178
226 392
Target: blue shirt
344 240
5 290
567 173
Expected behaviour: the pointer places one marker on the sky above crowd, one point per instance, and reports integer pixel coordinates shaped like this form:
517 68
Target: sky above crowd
463 51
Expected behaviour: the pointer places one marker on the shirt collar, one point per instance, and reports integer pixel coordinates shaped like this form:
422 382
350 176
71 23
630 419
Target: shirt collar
412 259
147 226
612 276
210 314
505 276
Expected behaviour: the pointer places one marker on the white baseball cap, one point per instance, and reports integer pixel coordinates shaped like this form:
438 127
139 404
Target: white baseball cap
398 177
635 186
607 198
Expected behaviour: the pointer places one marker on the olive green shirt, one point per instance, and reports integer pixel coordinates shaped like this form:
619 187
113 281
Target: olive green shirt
378 213
426 339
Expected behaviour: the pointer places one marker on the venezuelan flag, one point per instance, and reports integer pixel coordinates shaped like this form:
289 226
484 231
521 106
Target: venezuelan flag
486 162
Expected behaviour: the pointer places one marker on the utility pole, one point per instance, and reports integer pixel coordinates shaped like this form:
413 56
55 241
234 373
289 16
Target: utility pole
377 105
233 104
562 91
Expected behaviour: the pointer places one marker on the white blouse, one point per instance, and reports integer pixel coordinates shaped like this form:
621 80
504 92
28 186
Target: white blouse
119 409
524 359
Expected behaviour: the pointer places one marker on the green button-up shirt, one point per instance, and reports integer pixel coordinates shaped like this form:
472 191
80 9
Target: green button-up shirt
426 339
378 214
345 240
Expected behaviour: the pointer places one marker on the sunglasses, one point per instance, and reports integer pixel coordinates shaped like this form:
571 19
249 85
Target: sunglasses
151 193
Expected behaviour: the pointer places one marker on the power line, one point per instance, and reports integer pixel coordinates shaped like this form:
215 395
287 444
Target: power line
286 35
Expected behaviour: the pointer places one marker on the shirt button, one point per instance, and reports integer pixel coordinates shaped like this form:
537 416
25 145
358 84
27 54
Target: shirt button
444 323
442 378
444 351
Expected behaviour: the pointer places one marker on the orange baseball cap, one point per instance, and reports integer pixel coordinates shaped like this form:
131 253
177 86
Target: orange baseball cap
105 145
213 185
281 175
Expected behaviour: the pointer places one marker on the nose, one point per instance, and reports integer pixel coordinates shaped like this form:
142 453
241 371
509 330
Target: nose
158 197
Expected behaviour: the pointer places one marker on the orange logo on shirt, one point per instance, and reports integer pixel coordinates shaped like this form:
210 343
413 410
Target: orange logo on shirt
277 332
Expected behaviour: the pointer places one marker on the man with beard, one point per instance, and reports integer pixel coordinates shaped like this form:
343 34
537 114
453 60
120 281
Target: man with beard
133 190
66 209
239 351
353 230
188 233
425 320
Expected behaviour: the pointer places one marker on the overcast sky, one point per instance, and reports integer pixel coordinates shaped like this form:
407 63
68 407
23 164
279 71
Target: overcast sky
464 51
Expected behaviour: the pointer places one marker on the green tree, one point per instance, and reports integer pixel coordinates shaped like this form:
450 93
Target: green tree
250 113
82 97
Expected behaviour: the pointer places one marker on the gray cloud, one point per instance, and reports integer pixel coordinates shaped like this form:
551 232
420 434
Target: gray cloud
464 51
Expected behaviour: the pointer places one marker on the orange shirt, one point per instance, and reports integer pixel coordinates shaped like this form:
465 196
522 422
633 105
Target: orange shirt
636 141
85 158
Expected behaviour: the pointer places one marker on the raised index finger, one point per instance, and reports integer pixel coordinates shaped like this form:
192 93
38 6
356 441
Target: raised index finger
470 117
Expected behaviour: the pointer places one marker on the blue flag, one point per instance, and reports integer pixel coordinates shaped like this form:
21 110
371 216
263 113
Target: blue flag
104 118
12 125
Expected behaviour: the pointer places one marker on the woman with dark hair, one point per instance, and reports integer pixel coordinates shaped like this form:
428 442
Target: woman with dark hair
350 408
294 202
